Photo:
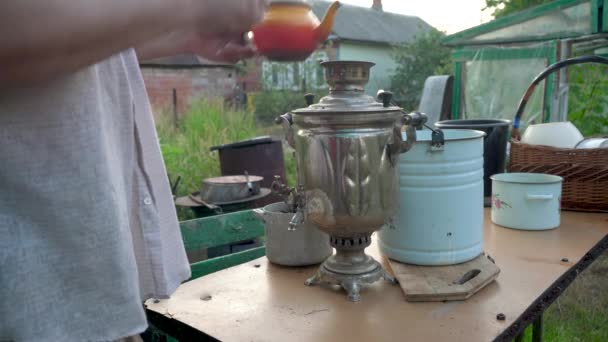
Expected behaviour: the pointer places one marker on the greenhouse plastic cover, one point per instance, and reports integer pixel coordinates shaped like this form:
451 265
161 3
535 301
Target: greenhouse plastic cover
492 88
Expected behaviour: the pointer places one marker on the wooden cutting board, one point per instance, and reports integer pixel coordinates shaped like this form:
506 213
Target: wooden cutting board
444 283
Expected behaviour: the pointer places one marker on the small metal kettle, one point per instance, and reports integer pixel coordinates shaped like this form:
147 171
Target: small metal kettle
290 31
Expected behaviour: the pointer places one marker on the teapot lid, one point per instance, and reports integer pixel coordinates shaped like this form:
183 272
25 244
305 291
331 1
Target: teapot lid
347 80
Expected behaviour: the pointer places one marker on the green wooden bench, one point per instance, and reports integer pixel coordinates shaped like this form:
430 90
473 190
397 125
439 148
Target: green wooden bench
208 232
221 230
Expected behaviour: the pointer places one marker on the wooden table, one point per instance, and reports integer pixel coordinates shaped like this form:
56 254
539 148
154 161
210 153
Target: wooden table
259 301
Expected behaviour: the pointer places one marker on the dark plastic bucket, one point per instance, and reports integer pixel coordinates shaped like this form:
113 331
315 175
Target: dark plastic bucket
495 144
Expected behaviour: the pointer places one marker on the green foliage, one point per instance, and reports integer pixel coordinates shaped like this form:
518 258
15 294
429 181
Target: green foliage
415 62
185 148
506 7
580 313
588 98
271 103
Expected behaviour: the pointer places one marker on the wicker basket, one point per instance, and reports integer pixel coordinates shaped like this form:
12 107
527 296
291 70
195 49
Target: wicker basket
585 172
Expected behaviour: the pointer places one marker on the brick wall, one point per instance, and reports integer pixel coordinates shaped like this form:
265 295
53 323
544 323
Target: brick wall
190 84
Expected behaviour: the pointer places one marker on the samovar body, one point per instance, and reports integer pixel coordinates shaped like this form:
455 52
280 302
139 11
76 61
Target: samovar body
347 148
349 177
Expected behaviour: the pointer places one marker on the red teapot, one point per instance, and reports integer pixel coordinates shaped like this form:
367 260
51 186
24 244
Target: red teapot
290 31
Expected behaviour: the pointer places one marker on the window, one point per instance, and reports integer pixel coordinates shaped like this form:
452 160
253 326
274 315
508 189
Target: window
275 75
320 75
296 75
318 70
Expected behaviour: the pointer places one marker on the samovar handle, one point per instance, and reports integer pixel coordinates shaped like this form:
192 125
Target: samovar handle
412 121
287 121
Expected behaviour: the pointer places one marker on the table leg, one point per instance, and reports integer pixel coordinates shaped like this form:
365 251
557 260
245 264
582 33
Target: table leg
537 329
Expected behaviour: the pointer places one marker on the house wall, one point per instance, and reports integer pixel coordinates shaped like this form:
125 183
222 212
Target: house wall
276 75
190 84
258 73
250 76
381 73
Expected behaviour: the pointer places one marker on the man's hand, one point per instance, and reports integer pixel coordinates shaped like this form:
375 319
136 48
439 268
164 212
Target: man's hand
227 17
223 40
215 32
222 48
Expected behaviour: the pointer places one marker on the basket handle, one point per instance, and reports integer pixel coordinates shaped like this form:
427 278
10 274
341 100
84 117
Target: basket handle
549 70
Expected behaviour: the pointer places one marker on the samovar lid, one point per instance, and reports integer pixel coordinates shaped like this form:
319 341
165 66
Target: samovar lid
347 80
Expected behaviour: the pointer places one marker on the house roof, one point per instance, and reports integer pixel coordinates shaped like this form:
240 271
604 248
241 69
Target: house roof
370 25
184 61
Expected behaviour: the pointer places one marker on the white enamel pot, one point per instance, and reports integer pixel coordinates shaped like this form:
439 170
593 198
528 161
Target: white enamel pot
528 201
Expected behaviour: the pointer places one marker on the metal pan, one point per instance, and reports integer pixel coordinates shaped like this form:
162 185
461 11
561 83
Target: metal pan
230 188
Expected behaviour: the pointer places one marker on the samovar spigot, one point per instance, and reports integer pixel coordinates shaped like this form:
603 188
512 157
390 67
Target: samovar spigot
296 220
299 203
293 197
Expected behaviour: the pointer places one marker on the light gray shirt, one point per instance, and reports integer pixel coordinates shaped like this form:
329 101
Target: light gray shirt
88 229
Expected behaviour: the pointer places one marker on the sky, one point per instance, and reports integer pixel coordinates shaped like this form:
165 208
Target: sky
450 16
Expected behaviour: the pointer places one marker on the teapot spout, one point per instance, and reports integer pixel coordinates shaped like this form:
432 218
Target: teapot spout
324 29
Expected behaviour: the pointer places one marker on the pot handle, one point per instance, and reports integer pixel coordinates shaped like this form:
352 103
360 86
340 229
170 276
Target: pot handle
539 197
259 213
287 121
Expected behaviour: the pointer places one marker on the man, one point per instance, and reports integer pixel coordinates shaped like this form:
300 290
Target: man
87 225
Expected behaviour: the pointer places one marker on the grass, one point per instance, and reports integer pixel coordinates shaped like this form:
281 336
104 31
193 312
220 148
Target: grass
580 314
186 147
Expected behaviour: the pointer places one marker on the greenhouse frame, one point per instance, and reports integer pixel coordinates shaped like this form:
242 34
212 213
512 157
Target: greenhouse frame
495 62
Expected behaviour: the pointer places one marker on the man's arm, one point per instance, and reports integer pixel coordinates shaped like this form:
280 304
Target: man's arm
41 40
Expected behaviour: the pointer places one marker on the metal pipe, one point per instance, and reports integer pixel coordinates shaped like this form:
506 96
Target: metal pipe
549 70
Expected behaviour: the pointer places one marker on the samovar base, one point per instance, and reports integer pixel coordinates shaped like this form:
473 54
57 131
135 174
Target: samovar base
350 268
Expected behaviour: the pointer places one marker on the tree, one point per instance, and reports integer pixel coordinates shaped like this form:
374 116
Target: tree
506 7
415 62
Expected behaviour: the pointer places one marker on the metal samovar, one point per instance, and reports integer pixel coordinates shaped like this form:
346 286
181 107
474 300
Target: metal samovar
347 148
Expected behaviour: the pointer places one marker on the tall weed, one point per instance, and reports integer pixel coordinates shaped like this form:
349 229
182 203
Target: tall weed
186 147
